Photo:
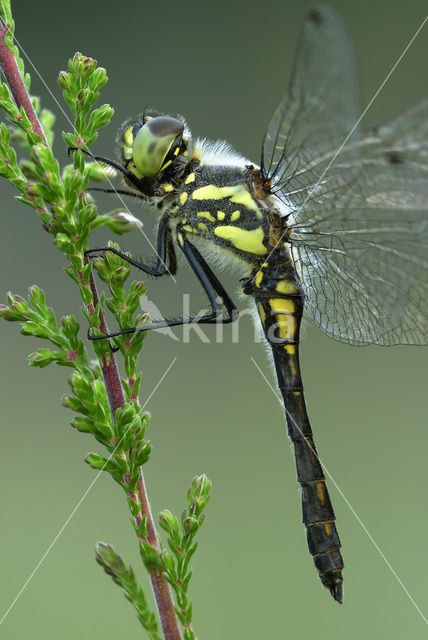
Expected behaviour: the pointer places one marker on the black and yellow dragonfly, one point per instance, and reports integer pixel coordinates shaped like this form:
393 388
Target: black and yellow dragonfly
333 223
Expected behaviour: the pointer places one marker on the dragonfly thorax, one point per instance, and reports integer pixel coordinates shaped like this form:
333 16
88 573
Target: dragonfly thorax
226 205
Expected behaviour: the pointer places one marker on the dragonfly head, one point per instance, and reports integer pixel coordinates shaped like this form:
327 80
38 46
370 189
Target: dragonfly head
152 146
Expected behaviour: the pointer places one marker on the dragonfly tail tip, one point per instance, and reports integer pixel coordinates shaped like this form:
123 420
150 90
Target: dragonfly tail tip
336 591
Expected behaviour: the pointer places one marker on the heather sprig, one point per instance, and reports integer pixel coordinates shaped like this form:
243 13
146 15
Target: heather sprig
106 405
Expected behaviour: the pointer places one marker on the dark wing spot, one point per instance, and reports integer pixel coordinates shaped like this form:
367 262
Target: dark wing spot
316 16
394 158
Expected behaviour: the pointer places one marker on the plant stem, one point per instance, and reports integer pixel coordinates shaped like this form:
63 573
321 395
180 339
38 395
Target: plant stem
161 590
19 92
160 586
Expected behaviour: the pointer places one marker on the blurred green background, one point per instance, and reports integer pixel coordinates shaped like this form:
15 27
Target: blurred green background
225 66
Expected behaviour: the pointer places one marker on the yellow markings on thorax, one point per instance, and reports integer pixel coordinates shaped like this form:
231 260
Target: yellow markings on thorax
244 197
189 228
202 226
206 214
262 314
168 187
250 241
238 194
183 197
220 215
258 279
190 178
235 216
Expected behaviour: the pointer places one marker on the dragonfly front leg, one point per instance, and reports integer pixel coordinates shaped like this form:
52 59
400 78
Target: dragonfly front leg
164 252
217 295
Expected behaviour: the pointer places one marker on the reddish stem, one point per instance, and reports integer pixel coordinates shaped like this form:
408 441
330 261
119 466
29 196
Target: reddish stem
164 602
10 69
161 588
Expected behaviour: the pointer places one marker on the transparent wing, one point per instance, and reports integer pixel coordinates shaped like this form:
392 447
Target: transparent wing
321 105
361 247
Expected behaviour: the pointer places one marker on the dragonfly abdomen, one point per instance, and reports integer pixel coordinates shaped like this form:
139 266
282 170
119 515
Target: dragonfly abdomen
280 306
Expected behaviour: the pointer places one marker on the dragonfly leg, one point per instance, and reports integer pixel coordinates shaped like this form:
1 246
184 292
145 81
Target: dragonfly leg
216 294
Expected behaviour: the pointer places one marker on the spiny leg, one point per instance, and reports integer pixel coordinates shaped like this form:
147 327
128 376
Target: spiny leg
210 284
164 251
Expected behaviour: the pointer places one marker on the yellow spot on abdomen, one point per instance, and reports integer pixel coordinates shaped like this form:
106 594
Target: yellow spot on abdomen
321 494
284 318
190 178
183 197
328 529
290 349
207 215
249 241
282 305
286 286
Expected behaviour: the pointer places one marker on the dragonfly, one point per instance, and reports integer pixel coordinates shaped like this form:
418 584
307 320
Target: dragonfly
333 224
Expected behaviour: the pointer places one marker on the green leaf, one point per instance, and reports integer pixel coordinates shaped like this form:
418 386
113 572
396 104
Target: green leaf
36 329
96 461
124 576
169 523
149 555
85 425
44 357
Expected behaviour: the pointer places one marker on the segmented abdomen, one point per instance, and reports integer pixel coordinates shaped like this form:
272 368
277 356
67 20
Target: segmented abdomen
280 306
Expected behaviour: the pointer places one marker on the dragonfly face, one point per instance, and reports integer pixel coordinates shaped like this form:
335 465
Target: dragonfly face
334 222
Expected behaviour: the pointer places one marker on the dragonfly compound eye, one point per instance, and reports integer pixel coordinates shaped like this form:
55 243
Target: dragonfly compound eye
153 144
